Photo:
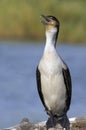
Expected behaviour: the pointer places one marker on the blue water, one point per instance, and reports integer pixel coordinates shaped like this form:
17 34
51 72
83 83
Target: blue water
18 92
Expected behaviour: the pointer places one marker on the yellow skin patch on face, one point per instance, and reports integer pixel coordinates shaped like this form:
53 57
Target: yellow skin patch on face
50 25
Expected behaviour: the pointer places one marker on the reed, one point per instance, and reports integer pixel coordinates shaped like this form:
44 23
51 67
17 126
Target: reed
20 19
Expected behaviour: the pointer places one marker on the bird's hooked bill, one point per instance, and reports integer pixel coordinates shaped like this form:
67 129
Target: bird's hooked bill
46 20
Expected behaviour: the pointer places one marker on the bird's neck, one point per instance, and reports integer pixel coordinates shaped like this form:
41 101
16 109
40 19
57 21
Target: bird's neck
51 38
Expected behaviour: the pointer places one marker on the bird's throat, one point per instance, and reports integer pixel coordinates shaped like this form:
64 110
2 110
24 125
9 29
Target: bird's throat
51 38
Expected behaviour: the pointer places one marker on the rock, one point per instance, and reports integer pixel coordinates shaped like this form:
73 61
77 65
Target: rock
78 123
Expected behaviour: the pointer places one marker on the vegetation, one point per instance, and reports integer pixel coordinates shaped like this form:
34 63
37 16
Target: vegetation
20 19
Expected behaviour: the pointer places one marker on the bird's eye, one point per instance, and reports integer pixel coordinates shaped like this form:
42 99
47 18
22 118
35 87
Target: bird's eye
51 17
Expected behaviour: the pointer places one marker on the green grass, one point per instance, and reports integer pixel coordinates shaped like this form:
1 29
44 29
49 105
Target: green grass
20 19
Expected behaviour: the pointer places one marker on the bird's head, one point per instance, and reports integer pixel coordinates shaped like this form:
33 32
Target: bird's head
52 27
50 22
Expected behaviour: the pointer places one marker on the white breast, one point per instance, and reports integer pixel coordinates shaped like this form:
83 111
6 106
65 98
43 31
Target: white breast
52 82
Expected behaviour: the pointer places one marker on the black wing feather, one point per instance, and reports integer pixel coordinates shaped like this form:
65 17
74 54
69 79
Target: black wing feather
38 79
68 84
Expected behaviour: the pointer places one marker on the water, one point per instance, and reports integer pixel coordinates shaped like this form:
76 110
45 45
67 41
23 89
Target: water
18 92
